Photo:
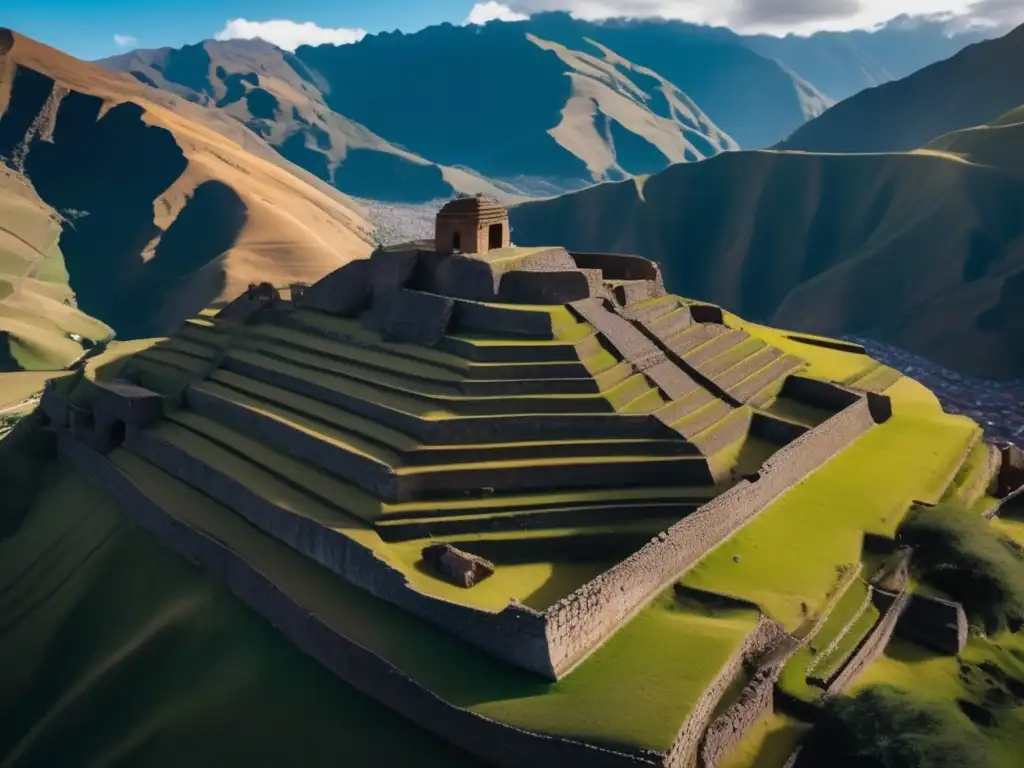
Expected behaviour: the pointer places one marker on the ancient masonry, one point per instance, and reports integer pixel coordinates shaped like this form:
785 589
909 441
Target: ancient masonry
435 389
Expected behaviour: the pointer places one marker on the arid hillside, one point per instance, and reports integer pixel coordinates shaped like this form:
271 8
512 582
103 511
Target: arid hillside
272 93
924 250
972 88
144 206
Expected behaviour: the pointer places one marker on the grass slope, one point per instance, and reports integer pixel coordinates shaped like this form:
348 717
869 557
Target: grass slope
118 651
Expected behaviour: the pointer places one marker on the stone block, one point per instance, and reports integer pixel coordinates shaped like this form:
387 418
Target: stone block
527 286
417 318
344 292
391 270
455 566
937 623
121 401
466 277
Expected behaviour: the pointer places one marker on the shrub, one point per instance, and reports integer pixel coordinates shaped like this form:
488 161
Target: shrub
883 727
963 555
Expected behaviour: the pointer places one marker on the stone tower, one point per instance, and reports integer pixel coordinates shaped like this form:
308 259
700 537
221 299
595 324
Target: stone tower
473 225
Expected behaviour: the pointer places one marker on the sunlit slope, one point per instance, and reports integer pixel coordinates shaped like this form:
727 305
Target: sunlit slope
38 321
998 144
923 250
166 206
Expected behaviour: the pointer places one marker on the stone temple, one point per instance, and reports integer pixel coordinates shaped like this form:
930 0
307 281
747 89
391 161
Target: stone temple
459 473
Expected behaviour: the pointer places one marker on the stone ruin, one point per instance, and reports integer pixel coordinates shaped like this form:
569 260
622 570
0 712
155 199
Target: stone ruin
703 387
453 565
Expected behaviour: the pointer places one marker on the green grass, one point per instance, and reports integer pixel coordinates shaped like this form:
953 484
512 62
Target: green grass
794 678
836 660
768 744
96 613
636 689
868 488
930 677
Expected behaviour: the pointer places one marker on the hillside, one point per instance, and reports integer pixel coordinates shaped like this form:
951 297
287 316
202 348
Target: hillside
922 250
540 106
143 206
842 64
997 144
972 88
272 93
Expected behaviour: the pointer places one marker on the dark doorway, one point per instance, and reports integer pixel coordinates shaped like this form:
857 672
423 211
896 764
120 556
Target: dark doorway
494 236
117 433
457 241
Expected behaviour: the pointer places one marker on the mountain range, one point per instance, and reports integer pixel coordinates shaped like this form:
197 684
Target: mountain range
533 107
922 248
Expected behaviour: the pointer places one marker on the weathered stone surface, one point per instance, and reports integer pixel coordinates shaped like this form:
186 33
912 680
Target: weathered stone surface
619 266
525 286
344 292
417 318
471 225
937 623
466 277
637 290
453 565
391 270
120 400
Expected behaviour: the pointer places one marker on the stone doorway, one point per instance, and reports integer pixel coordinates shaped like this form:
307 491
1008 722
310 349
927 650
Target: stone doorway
457 241
494 236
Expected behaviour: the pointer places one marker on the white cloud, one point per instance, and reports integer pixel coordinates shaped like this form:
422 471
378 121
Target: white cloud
768 15
287 34
125 41
493 11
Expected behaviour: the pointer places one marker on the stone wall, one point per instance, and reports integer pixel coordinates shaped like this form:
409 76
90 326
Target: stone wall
523 286
817 393
345 292
581 621
936 623
515 634
490 740
873 645
727 730
766 637
619 266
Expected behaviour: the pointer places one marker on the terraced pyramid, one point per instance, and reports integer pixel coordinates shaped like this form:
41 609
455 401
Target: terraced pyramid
601 445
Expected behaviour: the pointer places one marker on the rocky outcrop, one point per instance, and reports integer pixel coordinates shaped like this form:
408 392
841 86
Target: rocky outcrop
462 569
1011 470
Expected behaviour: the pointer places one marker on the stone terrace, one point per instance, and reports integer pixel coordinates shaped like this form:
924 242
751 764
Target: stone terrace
557 414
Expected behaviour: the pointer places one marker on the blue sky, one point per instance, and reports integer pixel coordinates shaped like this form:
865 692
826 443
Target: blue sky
92 29
86 28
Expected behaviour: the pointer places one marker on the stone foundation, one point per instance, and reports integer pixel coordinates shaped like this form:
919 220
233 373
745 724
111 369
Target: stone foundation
935 623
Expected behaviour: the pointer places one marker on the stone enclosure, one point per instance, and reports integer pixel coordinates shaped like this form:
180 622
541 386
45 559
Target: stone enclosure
429 399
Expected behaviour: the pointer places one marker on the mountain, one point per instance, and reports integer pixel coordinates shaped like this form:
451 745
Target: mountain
124 208
842 64
923 250
972 88
272 93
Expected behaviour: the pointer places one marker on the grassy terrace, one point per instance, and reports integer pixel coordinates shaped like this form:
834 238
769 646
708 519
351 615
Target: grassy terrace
868 488
636 690
533 567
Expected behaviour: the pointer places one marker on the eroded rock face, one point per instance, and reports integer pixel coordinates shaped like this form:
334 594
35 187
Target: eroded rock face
453 565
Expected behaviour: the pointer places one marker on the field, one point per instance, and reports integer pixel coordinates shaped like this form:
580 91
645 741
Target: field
866 489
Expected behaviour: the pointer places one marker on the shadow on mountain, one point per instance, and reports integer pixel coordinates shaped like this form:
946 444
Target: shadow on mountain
104 170
8 363
390 178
